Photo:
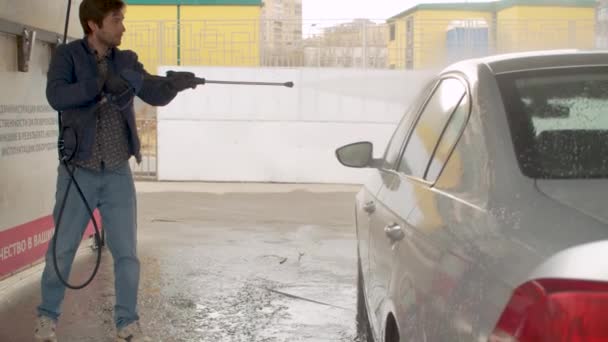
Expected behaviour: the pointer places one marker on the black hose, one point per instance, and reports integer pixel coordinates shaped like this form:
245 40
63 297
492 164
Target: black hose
65 158
98 239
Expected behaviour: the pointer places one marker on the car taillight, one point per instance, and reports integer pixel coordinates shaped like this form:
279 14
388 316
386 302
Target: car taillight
555 310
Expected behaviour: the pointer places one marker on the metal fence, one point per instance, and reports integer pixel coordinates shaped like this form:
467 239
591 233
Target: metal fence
403 44
147 128
367 44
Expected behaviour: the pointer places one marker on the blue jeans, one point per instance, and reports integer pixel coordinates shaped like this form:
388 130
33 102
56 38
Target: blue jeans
113 193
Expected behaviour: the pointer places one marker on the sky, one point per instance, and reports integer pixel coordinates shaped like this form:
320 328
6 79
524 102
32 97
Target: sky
351 9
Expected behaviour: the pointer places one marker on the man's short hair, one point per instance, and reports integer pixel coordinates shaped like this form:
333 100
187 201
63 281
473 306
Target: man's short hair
96 10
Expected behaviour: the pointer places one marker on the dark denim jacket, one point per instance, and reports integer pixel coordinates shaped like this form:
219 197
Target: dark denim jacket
74 88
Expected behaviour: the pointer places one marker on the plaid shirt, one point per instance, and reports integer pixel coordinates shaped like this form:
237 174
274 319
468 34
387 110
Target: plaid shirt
111 146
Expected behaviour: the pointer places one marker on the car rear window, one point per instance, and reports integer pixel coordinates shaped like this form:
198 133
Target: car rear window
559 121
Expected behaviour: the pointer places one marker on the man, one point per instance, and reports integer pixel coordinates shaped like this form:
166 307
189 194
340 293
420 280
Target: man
92 84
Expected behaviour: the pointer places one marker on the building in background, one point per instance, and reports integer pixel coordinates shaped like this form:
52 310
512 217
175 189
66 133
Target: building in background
282 33
187 33
194 32
361 43
602 24
418 37
431 35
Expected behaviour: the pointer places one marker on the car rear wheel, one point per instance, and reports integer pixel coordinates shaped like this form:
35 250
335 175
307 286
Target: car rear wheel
364 333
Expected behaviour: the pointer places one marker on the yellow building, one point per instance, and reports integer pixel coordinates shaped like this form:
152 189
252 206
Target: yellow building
524 25
431 35
194 32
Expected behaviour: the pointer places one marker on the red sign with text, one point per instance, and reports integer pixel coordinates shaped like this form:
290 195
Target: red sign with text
26 244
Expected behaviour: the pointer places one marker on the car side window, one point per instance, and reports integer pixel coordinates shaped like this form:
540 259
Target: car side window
394 146
448 140
466 173
430 125
391 156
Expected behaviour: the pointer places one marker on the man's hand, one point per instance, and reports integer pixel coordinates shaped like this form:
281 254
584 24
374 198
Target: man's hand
119 84
181 80
115 85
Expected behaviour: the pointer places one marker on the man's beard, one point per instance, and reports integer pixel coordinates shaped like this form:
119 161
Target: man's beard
107 41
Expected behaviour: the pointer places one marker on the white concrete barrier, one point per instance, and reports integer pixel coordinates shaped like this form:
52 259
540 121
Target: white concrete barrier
261 152
272 134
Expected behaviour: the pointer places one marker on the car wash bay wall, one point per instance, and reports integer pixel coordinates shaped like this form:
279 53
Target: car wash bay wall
275 134
28 133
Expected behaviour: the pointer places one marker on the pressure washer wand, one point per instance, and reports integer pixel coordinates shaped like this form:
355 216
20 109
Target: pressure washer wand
205 81
278 84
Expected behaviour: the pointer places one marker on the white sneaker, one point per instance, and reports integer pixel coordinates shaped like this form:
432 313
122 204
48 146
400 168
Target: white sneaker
45 329
132 333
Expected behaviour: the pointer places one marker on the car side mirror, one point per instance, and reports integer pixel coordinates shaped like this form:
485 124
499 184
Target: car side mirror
357 155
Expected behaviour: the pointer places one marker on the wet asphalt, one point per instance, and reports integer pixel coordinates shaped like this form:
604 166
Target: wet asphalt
219 262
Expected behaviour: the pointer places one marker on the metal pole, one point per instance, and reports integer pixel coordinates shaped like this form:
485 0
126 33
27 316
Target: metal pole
179 14
364 52
67 22
319 55
161 43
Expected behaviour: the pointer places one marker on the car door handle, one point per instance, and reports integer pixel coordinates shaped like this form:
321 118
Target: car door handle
369 207
394 232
